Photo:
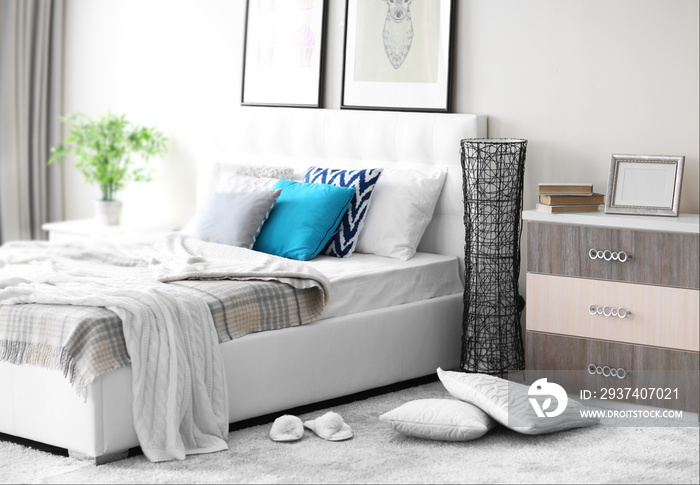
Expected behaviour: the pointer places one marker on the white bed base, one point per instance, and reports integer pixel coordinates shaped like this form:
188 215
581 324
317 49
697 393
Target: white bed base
270 372
266 372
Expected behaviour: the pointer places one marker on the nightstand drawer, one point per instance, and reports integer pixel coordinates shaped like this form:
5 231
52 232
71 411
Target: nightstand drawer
657 258
643 367
624 312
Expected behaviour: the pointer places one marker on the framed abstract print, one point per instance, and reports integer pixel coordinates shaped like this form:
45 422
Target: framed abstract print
283 58
398 55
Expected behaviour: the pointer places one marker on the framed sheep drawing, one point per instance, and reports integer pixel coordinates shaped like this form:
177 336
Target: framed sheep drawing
398 55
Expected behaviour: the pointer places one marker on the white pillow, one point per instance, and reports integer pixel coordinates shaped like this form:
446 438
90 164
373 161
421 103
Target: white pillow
509 403
224 175
402 206
244 183
440 419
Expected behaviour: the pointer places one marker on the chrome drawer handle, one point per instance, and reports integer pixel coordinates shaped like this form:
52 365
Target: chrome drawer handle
607 311
608 255
606 371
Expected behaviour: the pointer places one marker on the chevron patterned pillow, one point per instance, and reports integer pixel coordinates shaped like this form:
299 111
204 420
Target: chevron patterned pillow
343 242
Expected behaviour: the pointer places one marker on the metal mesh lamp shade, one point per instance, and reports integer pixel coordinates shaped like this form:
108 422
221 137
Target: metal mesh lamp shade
493 170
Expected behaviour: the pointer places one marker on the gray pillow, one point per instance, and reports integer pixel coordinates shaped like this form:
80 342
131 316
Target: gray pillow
235 218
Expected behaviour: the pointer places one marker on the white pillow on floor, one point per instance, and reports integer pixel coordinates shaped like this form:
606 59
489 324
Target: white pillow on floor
508 403
440 419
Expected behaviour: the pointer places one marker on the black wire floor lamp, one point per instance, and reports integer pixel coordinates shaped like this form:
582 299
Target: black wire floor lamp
493 170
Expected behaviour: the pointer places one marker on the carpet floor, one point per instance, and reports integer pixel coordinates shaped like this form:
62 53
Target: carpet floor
378 454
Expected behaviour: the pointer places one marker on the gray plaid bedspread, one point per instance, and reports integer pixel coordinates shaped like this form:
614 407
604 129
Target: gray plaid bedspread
85 342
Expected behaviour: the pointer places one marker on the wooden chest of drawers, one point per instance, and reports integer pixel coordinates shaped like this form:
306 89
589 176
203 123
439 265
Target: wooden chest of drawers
615 298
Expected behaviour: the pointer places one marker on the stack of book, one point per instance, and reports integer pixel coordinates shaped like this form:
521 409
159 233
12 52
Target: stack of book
568 197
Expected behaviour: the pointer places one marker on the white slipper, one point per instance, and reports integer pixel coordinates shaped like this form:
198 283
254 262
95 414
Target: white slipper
286 428
330 427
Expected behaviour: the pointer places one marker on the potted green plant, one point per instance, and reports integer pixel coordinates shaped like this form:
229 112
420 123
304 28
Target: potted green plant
110 151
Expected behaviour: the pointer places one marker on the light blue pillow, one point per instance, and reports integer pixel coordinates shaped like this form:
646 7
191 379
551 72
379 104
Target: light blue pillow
343 242
235 218
303 219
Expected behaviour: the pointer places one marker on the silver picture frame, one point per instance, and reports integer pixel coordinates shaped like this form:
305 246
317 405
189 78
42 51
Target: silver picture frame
644 185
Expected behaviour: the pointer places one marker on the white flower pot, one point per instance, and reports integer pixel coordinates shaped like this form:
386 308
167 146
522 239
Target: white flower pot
108 212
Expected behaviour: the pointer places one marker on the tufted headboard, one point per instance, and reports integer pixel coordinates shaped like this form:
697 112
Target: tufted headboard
302 137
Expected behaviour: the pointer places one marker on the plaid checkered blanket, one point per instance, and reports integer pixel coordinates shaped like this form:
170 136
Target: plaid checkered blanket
84 341
168 322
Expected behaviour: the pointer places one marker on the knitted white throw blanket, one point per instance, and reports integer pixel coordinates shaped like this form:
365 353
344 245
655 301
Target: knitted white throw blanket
180 396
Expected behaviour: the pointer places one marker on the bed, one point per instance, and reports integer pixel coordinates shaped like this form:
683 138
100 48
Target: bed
358 343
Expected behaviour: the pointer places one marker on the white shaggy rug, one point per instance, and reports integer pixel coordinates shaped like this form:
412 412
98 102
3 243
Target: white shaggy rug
378 454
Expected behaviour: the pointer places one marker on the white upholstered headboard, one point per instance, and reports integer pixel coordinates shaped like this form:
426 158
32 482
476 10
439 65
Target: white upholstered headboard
301 137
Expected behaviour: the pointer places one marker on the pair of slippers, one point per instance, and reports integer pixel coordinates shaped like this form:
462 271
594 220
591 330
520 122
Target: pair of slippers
330 427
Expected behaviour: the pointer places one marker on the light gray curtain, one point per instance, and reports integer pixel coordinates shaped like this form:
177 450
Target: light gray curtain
31 47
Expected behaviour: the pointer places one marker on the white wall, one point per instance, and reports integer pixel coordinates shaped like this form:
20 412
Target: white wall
171 63
580 79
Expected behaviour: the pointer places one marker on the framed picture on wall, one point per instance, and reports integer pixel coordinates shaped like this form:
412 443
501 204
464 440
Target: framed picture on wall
283 57
398 55
644 184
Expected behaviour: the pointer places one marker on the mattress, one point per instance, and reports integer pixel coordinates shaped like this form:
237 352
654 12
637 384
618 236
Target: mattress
365 282
85 342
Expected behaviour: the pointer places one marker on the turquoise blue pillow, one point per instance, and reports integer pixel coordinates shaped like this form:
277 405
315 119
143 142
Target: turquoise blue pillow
303 219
